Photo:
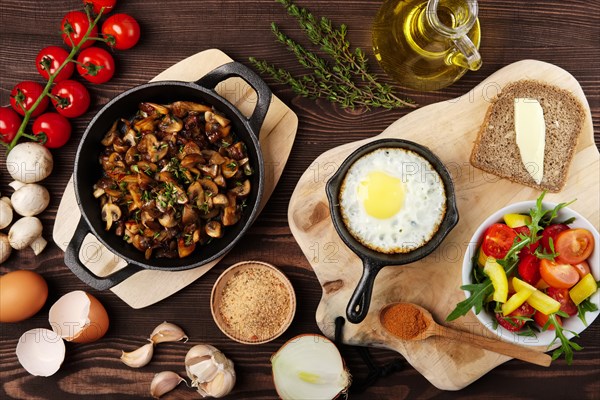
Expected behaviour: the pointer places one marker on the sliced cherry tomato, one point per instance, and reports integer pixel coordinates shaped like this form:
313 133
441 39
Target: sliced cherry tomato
583 268
529 269
49 59
96 65
561 276
70 98
26 93
122 31
73 26
541 319
515 320
574 245
498 240
562 296
9 124
529 249
55 127
98 4
552 231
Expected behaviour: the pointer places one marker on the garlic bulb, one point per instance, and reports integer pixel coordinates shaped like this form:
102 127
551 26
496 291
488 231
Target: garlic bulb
167 332
140 357
210 371
164 382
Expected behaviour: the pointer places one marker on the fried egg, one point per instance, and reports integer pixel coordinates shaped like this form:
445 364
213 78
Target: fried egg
392 200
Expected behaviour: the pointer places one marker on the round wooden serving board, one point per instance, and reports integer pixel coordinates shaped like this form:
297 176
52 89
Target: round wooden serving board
449 129
276 139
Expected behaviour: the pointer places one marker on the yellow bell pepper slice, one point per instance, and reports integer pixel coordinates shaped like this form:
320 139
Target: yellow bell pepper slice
498 277
516 220
482 258
516 300
538 300
586 287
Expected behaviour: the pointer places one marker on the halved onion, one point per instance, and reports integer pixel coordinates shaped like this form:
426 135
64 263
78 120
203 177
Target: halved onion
309 367
78 317
40 351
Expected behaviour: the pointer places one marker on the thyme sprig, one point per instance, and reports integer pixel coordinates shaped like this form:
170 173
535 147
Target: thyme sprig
344 80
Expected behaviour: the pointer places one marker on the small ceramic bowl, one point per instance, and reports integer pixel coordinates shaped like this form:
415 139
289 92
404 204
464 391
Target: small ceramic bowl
571 324
257 275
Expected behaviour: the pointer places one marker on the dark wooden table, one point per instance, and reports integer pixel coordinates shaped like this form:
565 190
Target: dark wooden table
566 33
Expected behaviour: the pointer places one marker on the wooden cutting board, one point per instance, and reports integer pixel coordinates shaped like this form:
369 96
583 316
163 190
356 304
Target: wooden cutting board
449 129
276 139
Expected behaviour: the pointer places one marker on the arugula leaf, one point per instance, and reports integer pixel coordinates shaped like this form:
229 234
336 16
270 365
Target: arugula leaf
584 307
566 346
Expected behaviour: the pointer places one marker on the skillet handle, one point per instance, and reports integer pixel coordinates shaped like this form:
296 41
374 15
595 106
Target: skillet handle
232 69
358 306
79 269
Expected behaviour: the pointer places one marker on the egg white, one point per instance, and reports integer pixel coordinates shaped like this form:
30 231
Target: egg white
424 203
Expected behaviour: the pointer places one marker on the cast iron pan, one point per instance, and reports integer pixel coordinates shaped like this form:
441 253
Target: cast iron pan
88 171
373 261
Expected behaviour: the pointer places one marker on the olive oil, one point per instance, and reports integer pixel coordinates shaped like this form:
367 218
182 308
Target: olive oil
421 52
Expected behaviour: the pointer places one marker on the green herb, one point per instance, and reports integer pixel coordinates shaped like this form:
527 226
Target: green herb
344 80
126 237
584 307
232 165
188 238
566 346
135 168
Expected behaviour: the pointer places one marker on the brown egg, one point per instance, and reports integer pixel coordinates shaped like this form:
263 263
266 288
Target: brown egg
78 317
22 295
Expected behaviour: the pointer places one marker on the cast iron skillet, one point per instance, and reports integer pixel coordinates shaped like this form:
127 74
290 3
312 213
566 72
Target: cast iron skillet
88 171
373 261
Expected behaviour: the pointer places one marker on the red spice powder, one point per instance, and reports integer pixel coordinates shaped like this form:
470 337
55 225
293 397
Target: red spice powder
404 321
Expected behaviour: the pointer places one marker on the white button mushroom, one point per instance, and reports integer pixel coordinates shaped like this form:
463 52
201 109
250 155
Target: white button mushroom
29 199
27 231
6 212
5 248
29 162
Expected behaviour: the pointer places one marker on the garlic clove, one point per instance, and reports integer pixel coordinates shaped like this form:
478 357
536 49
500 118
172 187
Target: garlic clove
167 332
221 384
210 371
140 357
164 382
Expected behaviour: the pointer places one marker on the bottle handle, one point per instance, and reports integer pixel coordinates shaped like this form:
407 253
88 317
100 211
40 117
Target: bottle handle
467 55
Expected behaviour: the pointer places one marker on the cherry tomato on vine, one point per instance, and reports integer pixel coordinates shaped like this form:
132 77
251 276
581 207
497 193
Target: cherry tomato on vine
74 25
498 240
24 94
49 59
55 127
96 65
121 31
70 98
9 124
98 4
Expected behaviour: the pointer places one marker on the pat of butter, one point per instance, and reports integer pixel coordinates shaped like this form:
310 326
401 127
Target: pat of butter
530 131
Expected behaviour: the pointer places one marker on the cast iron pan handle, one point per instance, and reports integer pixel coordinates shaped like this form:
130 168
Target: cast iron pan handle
72 261
218 75
358 306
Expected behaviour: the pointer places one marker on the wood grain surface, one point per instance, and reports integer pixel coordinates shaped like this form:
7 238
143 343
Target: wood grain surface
565 33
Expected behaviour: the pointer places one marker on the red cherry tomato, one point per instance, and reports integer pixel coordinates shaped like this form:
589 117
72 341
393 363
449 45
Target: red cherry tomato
542 319
49 59
529 249
56 128
96 65
73 26
561 276
497 240
71 99
583 268
122 31
562 296
516 319
9 124
529 269
552 231
574 245
26 93
98 4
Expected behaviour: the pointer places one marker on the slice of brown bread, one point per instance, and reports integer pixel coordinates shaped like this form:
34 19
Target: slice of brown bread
496 149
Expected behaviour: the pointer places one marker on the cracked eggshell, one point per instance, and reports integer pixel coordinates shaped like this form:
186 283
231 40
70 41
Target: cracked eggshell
78 317
40 351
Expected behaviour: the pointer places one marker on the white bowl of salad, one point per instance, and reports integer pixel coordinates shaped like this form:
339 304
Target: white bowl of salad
530 274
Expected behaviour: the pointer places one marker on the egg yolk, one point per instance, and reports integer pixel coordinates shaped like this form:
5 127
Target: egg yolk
382 195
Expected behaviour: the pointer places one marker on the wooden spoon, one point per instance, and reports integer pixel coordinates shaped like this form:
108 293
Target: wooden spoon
422 325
